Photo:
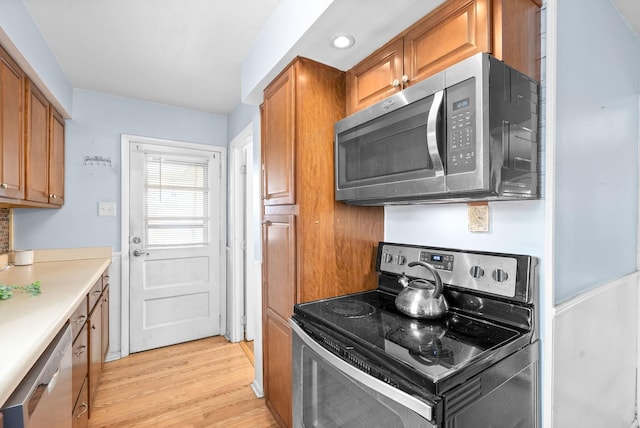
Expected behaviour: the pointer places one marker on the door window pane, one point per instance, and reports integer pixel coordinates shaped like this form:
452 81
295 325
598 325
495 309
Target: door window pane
176 199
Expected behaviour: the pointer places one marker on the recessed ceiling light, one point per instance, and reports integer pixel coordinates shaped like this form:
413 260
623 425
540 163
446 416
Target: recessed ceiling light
342 41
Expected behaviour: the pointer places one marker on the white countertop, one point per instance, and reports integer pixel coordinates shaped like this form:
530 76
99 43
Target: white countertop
29 323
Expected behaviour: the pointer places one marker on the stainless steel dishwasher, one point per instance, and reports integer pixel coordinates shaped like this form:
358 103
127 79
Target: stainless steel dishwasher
43 398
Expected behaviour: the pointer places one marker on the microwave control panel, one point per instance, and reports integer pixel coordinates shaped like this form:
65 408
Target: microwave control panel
461 127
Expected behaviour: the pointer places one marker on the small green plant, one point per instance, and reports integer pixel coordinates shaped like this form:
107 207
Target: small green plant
6 291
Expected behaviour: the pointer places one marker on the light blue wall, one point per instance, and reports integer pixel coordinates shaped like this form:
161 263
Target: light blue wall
515 227
18 25
99 120
598 74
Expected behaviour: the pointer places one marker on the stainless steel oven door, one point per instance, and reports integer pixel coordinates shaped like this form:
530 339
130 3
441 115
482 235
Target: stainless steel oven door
329 392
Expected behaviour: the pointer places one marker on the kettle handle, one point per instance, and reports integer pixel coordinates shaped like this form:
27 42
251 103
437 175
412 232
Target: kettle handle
434 272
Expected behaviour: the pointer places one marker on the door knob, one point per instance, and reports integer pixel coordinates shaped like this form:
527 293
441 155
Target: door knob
138 253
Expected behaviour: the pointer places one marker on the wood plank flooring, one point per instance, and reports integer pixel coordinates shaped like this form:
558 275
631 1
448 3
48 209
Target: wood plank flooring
205 383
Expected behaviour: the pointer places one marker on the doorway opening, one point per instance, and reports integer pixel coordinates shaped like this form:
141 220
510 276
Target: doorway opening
244 281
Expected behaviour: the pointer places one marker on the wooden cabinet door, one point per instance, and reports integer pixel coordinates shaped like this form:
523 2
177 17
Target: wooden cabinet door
12 84
279 264
278 146
37 146
279 282
79 362
105 324
56 158
277 369
375 78
95 351
454 31
81 408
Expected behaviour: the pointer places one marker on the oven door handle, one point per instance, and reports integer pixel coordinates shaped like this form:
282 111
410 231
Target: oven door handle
409 401
432 134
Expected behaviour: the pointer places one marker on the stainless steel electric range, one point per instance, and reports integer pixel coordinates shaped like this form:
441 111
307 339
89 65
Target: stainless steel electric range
359 362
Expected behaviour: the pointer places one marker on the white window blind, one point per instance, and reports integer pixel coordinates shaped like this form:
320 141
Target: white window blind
176 201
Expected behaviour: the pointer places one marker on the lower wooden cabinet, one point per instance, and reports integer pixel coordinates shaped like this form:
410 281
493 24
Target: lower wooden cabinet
95 351
81 408
105 323
90 348
279 252
80 361
277 354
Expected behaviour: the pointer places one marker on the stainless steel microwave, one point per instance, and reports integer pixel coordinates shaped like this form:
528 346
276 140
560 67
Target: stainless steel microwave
467 133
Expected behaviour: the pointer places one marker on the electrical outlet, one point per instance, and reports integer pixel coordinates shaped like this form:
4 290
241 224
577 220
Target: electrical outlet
478 217
107 209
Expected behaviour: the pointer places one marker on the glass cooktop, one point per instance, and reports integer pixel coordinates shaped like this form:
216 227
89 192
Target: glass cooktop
434 348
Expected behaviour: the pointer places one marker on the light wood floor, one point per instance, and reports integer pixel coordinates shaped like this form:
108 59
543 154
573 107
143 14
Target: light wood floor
199 384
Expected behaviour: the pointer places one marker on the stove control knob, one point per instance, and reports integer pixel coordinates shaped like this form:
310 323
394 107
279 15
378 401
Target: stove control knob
387 258
500 276
476 272
400 260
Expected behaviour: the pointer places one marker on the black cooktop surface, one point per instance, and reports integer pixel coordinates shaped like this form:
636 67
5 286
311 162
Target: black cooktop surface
434 348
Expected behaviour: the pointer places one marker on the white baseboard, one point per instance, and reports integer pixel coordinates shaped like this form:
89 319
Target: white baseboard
257 389
112 356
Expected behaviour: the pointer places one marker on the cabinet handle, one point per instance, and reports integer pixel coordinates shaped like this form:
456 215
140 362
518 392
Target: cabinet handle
396 83
96 292
85 408
81 320
52 196
4 185
266 222
405 78
93 327
80 350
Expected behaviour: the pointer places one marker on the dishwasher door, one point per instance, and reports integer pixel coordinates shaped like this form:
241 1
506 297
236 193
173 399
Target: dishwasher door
43 398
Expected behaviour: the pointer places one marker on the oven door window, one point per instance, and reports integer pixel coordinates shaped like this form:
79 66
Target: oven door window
329 398
393 147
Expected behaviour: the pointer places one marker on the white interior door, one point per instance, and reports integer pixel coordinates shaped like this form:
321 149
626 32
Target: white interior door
174 244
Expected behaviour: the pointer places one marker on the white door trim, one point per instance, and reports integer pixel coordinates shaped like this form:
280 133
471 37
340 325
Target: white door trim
236 294
125 141
547 304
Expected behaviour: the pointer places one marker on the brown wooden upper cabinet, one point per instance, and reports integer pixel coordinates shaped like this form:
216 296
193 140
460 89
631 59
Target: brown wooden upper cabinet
37 147
12 81
44 150
278 160
31 142
56 158
508 29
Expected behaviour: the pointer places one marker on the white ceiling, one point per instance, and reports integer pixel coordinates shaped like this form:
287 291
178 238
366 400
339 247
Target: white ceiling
188 53
185 53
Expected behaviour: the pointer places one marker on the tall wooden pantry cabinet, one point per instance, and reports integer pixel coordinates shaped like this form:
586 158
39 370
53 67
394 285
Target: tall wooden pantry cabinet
312 246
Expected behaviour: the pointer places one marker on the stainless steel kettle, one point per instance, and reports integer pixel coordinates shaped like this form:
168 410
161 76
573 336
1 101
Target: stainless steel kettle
420 298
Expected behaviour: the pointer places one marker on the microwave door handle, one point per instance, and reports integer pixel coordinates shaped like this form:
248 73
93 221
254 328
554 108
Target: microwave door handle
432 135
